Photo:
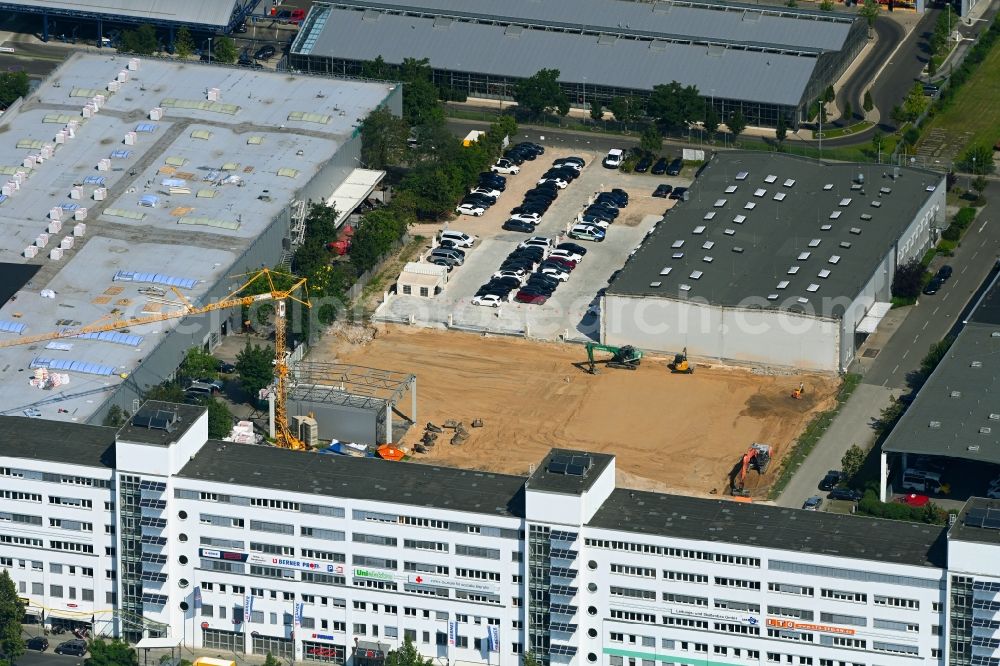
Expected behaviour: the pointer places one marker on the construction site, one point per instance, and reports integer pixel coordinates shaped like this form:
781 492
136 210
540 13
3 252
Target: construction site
686 431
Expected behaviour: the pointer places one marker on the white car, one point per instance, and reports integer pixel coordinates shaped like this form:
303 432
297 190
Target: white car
559 182
536 241
567 254
572 165
562 276
458 238
489 300
614 158
470 209
486 192
516 274
532 218
504 165
594 222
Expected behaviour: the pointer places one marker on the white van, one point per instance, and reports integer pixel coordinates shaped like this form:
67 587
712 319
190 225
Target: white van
586 232
921 481
458 238
614 158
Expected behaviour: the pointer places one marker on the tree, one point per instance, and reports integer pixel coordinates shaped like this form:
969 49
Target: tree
225 50
908 280
11 614
383 139
377 69
736 124
255 364
271 660
878 140
977 159
406 655
625 109
915 102
141 41
711 121
540 93
781 129
829 95
674 105
848 111
12 86
596 110
870 11
852 461
936 352
792 3
898 115
529 659
198 363
166 392
183 43
868 104
111 653
651 140
116 417
979 184
826 5
220 419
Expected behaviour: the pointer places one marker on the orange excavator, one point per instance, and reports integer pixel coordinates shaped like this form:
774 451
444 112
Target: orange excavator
757 457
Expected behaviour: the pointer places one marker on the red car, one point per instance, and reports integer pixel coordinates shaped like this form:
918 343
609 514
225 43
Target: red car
565 263
912 499
529 297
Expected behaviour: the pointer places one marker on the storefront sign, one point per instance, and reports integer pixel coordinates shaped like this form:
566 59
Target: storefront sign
324 637
377 574
715 615
792 625
229 555
470 585
285 562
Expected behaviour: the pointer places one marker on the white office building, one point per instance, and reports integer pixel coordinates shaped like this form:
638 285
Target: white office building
154 531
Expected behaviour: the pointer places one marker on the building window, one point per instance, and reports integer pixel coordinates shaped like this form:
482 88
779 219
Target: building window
840 595
407 289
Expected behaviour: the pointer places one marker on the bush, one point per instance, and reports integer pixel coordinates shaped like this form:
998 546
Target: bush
964 217
952 233
908 279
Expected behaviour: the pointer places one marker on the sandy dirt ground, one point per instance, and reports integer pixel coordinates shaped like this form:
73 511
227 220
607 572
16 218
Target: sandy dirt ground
682 433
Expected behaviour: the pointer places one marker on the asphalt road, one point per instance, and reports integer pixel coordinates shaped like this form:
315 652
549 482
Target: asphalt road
35 59
572 139
934 316
49 658
890 33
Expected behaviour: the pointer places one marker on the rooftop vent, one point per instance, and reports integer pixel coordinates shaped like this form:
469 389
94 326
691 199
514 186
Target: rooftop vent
856 186
708 245
804 255
709 215
985 430
731 189
834 215
685 287
696 275
845 244
955 394
812 288
737 249
814 242
707 259
976 364
824 274
750 205
802 299
782 284
780 196
994 417
856 231
772 297
884 190
866 216
655 284
793 270
828 186
930 188
665 270
759 192
677 255
934 425
770 178
740 219
729 232
846 201
677 244
834 258
825 227
700 229
876 204
995 334
790 182
742 175
719 203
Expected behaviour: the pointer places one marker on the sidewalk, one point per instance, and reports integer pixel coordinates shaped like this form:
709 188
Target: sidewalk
853 425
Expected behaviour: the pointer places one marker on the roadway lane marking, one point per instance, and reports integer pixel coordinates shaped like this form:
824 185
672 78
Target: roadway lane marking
946 296
974 254
925 325
965 269
954 283
984 226
893 372
915 338
905 353
935 310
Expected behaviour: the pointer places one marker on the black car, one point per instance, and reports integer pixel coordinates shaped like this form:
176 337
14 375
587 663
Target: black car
662 190
562 268
572 159
509 282
675 167
933 286
537 206
643 165
607 205
525 154
567 173
265 52
226 368
76 647
622 196
600 213
547 186
534 252
518 225
550 193
660 167
498 185
844 494
492 178
678 193
479 199
944 272
37 643
830 481
532 147
606 200
515 157
572 247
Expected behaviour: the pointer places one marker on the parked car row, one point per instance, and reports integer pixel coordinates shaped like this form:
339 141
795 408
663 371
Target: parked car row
537 200
531 272
491 185
592 224
451 249
936 282
523 152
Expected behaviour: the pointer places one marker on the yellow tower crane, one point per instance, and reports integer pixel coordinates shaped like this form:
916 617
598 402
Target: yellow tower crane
264 277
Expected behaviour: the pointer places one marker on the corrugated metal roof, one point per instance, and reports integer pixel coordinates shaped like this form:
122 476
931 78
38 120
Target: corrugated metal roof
212 13
773 26
474 47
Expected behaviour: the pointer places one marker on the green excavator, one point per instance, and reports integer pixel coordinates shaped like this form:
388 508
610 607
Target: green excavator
627 357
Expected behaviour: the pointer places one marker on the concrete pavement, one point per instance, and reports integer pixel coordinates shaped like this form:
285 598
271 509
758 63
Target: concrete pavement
853 425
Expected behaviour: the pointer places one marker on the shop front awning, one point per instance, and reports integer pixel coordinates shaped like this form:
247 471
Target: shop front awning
871 320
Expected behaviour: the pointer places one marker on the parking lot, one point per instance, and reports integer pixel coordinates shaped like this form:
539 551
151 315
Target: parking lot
571 311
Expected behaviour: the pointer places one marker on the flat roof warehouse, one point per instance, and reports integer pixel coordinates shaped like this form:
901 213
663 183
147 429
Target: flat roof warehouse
739 52
172 202
776 229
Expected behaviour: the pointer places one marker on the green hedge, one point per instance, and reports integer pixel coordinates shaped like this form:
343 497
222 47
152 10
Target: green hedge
871 506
